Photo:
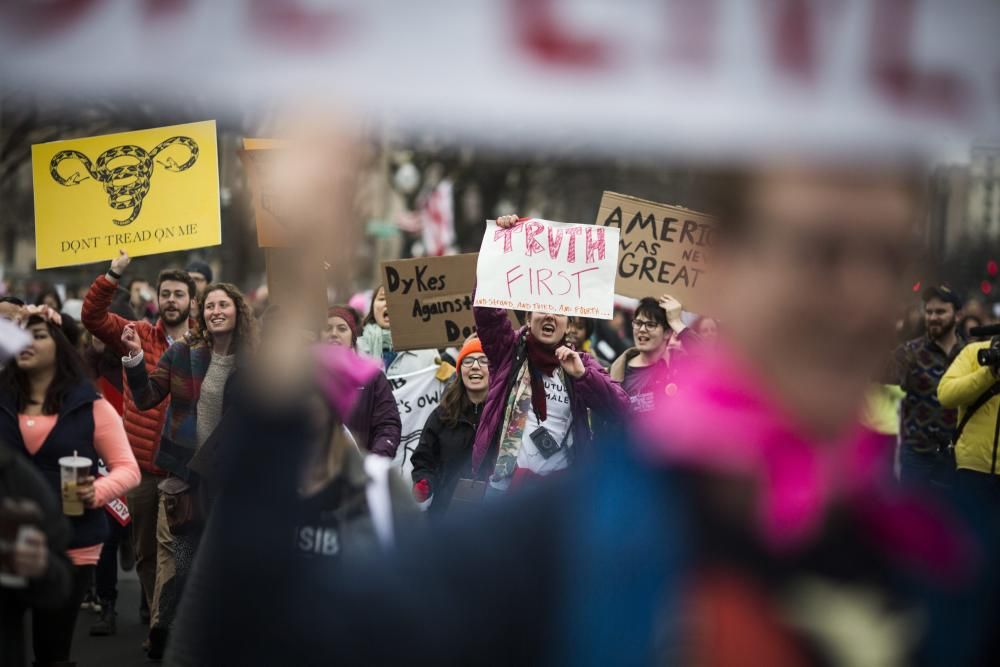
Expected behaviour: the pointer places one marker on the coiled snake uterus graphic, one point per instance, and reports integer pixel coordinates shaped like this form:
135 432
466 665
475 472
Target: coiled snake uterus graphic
126 184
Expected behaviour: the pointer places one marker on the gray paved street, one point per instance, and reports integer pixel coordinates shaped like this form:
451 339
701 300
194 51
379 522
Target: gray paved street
123 649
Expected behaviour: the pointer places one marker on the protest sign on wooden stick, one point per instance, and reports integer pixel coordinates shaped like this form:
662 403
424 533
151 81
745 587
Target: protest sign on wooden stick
145 192
550 267
664 249
430 301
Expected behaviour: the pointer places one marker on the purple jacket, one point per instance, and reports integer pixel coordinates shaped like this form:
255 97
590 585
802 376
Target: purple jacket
505 349
375 418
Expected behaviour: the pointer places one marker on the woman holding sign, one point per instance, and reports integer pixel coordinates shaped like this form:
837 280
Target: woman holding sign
51 413
535 421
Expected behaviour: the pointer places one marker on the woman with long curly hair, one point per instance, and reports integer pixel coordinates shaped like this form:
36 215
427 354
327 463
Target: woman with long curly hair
197 374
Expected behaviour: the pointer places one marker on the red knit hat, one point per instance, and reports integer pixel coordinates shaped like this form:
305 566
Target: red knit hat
472 346
346 314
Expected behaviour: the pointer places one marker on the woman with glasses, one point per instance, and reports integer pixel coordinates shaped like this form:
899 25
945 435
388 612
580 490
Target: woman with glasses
445 450
660 335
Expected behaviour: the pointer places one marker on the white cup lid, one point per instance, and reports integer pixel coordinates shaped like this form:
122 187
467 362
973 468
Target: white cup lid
75 462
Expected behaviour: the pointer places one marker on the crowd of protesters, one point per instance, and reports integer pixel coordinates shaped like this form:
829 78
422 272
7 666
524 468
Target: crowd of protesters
717 465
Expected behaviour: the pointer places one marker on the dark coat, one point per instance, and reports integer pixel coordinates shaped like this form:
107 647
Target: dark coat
375 420
19 479
73 432
594 568
444 454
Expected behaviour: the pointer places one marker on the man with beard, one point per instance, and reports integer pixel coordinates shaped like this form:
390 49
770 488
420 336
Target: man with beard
917 367
175 290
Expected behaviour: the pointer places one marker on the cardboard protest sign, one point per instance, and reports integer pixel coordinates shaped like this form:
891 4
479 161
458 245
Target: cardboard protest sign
291 280
417 394
430 301
551 267
664 249
258 157
146 192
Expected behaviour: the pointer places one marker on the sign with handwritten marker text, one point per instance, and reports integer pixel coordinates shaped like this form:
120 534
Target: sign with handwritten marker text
664 249
146 192
548 267
430 301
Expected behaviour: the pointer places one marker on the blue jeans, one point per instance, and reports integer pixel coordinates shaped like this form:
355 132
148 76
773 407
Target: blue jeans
919 468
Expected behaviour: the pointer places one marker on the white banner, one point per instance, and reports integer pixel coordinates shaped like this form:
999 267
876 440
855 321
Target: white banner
706 77
416 394
549 267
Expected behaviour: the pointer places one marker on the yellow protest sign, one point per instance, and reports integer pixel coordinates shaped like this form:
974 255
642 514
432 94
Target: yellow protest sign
148 192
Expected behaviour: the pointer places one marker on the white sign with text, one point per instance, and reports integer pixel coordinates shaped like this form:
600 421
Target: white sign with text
548 267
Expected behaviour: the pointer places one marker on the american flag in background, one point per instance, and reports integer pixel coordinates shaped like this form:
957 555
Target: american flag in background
437 217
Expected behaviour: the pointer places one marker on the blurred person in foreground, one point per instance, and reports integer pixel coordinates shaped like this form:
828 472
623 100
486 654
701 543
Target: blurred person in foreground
444 453
351 502
33 539
661 338
917 367
11 308
104 318
374 421
748 522
34 534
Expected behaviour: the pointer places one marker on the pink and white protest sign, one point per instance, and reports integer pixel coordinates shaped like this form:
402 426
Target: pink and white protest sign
549 267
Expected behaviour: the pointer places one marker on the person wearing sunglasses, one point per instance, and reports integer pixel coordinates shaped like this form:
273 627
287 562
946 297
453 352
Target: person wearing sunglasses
644 371
445 449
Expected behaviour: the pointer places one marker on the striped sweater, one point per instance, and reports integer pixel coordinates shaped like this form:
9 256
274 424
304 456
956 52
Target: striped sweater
179 375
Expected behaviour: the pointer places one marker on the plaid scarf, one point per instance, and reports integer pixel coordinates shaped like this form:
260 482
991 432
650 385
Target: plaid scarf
512 434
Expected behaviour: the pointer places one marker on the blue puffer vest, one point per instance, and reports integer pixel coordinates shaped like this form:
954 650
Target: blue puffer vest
74 431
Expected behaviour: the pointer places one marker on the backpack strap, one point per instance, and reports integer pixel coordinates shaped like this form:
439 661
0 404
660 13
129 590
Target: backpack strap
980 402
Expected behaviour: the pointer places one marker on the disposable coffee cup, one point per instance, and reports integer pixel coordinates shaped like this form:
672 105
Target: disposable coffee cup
73 469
